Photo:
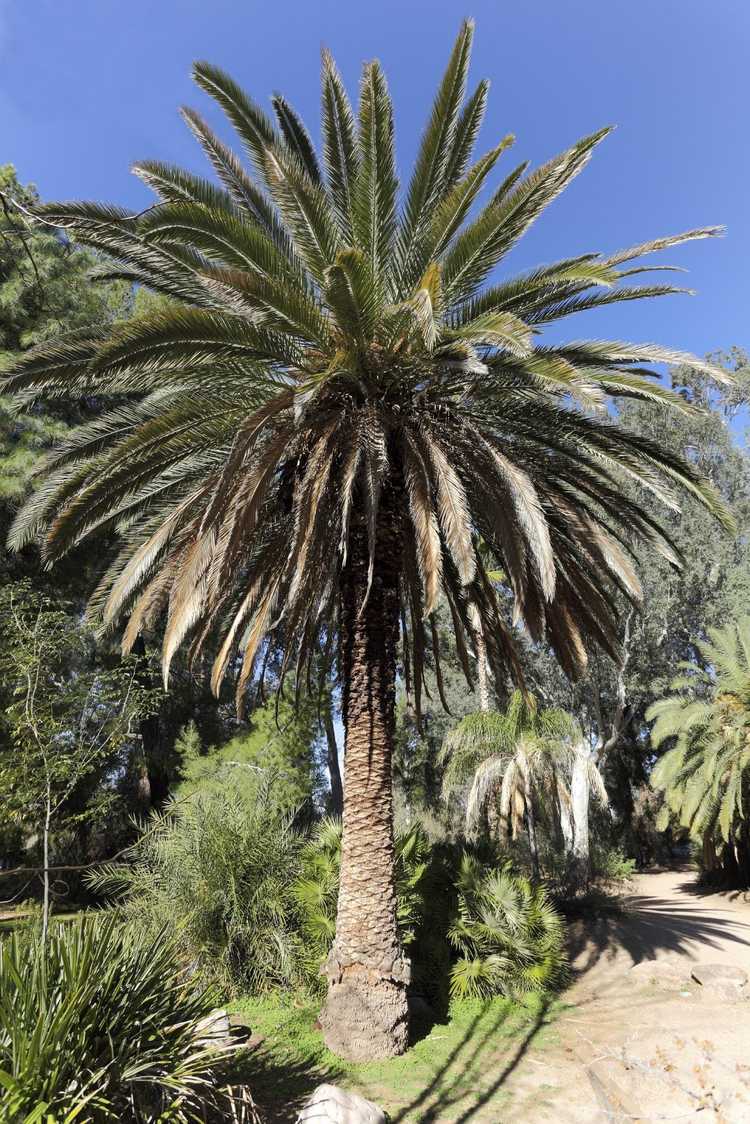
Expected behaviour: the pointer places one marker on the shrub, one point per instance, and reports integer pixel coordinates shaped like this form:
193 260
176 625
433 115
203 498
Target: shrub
219 870
490 931
252 902
507 935
611 866
101 1024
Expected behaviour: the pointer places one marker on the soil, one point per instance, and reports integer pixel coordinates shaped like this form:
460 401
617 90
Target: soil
642 1040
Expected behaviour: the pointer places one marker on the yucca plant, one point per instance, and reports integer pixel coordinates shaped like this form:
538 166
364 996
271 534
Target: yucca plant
508 936
101 1024
705 775
339 400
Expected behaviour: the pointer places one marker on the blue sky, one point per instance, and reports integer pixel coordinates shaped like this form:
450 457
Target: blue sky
88 86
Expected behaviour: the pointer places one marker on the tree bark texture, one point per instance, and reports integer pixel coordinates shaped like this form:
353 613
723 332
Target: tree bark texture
365 1015
580 786
480 646
337 789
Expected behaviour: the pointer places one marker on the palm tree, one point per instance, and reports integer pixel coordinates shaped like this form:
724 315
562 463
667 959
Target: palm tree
705 776
519 760
311 434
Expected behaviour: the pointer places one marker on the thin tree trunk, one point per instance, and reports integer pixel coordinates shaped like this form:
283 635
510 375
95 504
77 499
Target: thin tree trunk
533 840
365 1015
566 821
153 779
497 826
45 851
580 786
531 821
480 645
334 772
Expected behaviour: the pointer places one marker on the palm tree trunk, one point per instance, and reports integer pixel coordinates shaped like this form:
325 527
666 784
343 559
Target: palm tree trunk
365 1015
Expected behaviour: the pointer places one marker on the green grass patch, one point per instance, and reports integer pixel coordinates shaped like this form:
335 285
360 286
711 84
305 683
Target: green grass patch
456 1072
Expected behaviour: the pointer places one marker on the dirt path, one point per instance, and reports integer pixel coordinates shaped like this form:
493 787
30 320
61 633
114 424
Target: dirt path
642 1040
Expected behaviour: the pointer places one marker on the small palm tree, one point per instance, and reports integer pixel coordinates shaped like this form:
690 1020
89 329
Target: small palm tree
705 776
515 759
336 402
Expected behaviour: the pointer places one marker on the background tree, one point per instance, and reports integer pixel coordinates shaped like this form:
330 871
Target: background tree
333 414
283 742
70 728
712 586
705 775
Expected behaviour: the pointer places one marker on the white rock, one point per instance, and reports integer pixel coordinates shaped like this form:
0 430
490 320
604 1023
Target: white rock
330 1105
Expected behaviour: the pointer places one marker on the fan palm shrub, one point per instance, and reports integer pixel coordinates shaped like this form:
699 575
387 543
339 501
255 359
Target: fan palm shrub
338 401
705 775
508 937
100 1024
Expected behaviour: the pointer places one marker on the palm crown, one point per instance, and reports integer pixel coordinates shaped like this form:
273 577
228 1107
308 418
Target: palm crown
706 773
326 346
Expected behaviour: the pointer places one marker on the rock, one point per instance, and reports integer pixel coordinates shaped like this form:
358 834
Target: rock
242 1030
720 981
330 1105
616 1102
215 1030
667 971
708 974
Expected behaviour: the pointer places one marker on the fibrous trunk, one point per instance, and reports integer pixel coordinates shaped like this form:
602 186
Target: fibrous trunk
365 1015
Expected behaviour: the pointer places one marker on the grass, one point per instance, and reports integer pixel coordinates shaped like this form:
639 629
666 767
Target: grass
455 1073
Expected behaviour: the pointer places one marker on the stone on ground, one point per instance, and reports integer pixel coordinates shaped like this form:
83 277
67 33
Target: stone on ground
667 971
330 1105
722 981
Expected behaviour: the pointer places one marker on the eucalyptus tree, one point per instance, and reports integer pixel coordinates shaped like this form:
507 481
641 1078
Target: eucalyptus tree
705 774
338 402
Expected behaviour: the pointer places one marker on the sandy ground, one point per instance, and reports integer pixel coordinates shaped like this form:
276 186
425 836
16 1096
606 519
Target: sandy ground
641 1040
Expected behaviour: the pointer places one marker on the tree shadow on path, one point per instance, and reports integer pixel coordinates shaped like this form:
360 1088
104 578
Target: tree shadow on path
467 1063
647 927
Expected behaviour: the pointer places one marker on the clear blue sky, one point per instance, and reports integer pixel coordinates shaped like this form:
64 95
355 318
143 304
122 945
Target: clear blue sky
88 86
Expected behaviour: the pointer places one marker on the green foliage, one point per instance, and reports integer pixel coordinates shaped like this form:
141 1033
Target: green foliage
219 870
252 901
316 890
71 724
512 759
610 866
348 343
705 776
102 1024
282 742
45 283
507 935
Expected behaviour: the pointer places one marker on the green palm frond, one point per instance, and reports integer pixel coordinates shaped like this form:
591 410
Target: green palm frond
705 774
331 350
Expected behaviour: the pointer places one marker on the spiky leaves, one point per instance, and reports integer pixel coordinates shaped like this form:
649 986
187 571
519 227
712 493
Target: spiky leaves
321 347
